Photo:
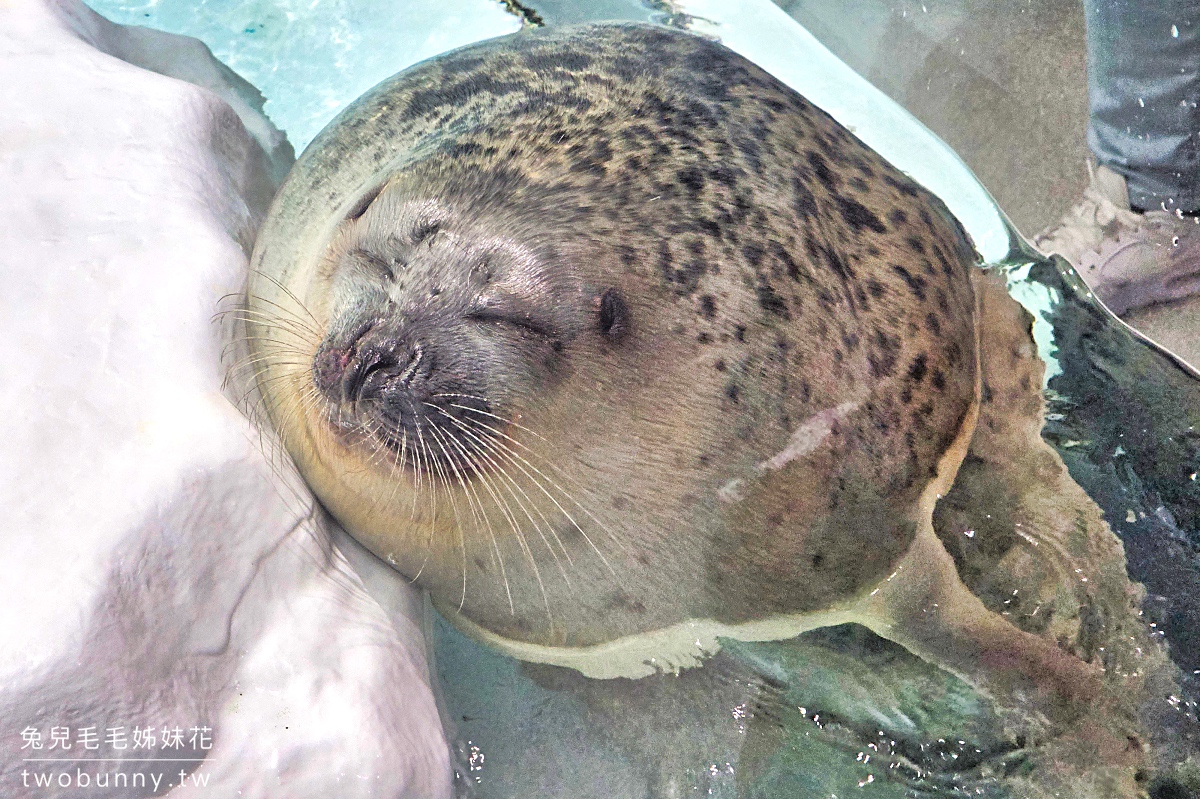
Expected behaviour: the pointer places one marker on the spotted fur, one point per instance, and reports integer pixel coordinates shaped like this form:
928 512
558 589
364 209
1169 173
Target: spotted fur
752 237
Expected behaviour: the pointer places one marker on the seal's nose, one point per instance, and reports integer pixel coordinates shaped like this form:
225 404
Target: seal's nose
380 367
373 364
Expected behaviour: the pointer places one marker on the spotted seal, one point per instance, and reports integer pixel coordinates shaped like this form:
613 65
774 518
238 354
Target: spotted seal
617 345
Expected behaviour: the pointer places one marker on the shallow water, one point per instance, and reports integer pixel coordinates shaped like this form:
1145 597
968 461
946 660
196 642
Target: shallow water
838 711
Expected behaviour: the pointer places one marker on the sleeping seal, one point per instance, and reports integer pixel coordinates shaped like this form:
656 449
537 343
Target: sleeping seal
617 345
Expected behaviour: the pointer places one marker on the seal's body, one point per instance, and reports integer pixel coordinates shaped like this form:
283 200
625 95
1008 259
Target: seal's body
616 345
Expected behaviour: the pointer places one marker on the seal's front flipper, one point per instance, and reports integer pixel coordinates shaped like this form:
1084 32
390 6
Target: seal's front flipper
927 609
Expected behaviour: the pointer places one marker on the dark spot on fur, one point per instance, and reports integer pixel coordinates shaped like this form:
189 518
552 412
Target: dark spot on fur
739 332
462 149
770 301
720 365
753 253
938 380
708 306
883 360
803 201
704 338
791 267
569 60
902 185
915 284
897 216
821 169
733 392
916 245
953 353
692 179
916 371
858 216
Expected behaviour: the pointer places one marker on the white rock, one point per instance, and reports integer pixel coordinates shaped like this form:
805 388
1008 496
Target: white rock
161 565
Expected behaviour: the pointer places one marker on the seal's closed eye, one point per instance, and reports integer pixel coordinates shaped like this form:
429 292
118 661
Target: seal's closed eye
364 202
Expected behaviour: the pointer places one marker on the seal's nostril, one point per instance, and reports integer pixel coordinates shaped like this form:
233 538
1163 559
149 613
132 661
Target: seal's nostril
382 366
366 361
415 357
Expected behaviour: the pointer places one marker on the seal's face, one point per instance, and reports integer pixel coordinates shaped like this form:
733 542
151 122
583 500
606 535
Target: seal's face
496 412
440 331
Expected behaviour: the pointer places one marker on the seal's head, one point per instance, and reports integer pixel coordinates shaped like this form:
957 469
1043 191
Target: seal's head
440 329
594 331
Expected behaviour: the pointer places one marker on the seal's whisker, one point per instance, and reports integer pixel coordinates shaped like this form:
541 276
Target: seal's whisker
433 432
284 424
512 453
419 461
515 525
525 466
307 395
482 446
285 290
277 318
468 486
489 414
301 344
265 356
291 323
509 485
275 360
256 386
533 453
495 543
278 312
433 512
420 471
379 452
397 469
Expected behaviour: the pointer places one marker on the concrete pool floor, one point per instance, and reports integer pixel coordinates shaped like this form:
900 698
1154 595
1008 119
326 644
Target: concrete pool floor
1005 85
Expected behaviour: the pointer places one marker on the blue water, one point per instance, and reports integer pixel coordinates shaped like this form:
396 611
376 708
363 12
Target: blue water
312 58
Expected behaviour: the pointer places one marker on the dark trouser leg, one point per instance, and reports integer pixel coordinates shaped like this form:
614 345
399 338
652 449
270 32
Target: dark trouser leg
1144 89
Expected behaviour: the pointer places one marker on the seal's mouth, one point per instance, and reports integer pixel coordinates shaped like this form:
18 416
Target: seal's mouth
383 390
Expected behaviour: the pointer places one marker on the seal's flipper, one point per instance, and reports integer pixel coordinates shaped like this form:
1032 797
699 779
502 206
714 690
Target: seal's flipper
925 607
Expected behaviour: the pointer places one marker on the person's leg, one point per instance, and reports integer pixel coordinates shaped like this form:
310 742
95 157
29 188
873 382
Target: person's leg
1132 236
1143 60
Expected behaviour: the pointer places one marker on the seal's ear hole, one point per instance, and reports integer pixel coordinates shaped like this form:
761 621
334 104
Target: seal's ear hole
614 314
364 202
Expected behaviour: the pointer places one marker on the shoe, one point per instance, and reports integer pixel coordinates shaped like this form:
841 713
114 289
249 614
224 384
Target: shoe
1129 259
